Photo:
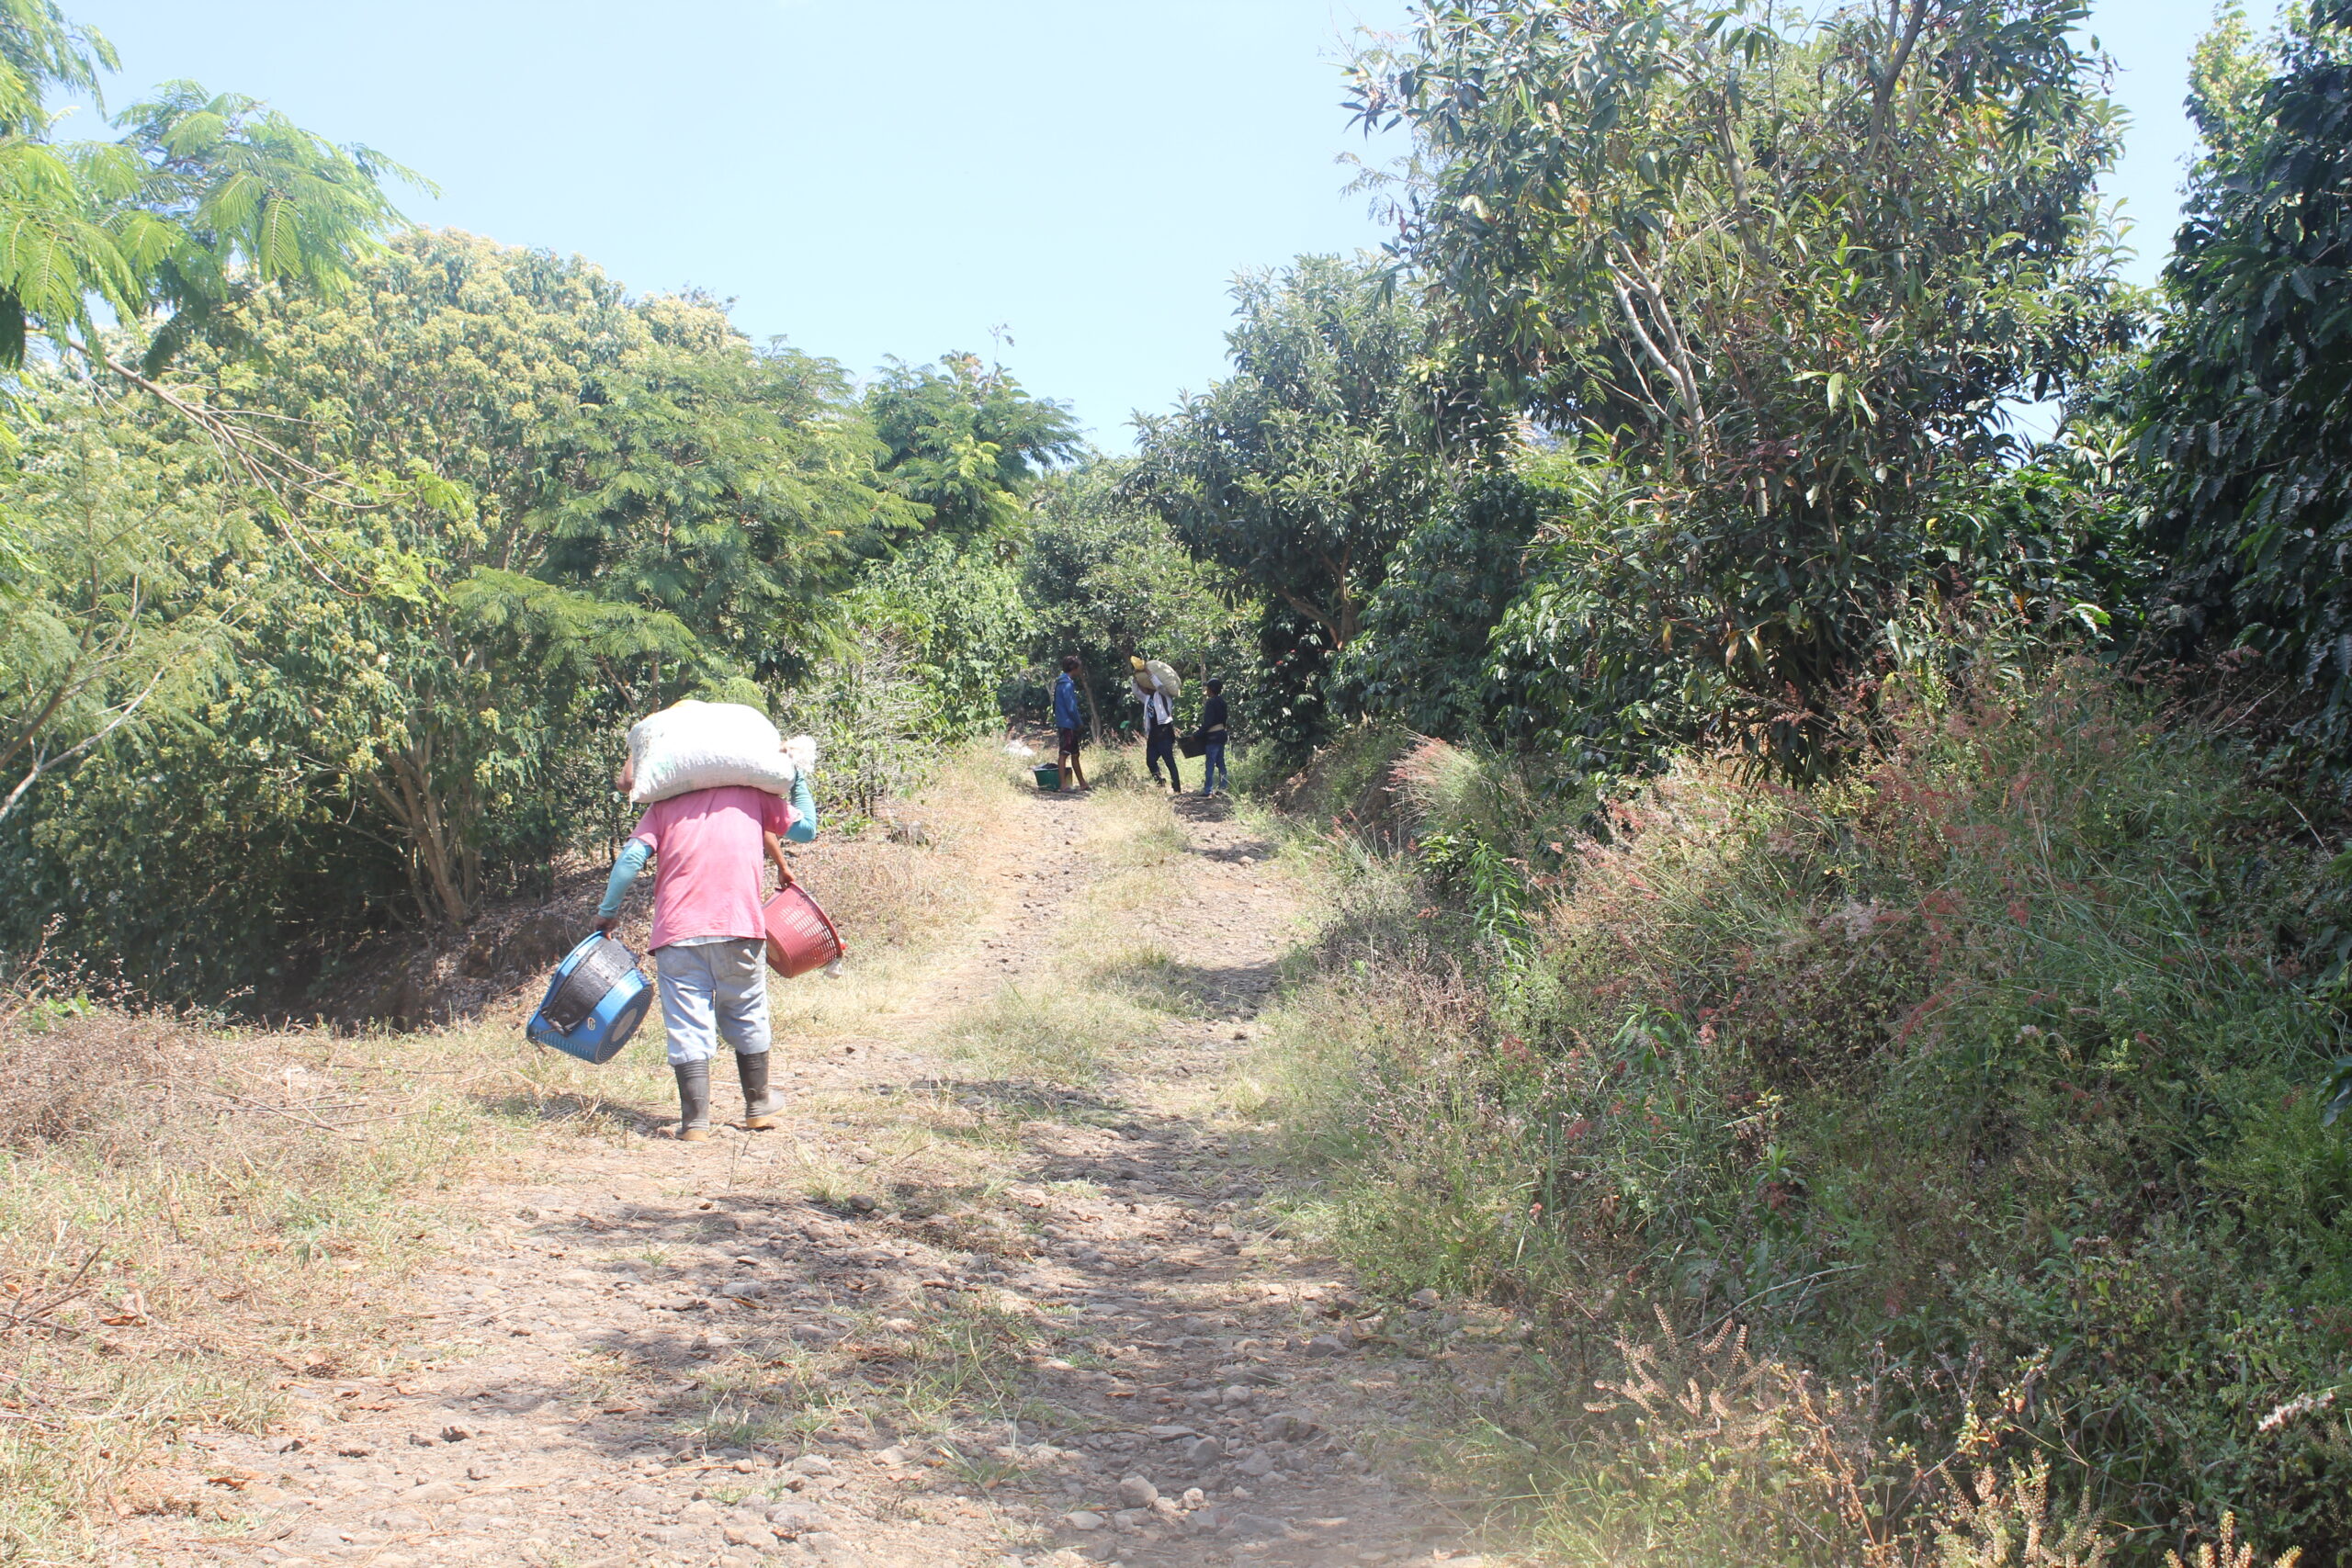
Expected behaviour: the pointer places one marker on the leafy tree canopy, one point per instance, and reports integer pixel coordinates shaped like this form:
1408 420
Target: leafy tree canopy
1300 471
199 202
1106 579
108 617
965 441
954 612
1424 656
1791 280
553 508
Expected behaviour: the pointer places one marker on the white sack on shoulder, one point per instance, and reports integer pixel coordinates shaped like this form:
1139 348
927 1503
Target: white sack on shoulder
694 745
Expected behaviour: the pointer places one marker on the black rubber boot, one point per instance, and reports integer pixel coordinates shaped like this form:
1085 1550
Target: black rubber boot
760 1102
694 1100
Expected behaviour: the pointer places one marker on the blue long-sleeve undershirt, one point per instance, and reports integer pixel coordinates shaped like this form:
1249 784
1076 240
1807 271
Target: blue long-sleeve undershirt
637 851
626 865
804 812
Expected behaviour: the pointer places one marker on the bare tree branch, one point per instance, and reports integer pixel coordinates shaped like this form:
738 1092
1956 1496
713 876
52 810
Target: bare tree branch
43 764
1686 390
1883 94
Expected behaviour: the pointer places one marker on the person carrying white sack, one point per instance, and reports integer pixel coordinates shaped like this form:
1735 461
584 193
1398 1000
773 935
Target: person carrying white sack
708 929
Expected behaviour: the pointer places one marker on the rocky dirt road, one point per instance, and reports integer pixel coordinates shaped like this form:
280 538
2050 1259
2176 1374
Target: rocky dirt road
943 1315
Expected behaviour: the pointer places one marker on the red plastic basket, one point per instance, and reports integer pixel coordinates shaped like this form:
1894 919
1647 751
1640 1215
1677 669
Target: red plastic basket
800 936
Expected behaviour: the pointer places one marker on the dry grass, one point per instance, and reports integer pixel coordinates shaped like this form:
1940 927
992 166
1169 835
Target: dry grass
1064 1023
896 904
1132 831
188 1223
72 1067
1150 977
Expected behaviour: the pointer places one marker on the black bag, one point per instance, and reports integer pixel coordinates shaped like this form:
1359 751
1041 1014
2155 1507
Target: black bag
1192 745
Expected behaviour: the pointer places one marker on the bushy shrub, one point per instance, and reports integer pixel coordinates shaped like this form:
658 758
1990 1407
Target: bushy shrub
958 614
866 706
2241 408
1981 1076
1423 657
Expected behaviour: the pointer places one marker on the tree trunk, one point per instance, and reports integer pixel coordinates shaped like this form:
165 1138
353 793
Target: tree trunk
1093 714
444 864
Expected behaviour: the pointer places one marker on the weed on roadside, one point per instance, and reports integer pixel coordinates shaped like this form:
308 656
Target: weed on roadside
937 1369
964 1356
1946 1080
1150 977
1047 1029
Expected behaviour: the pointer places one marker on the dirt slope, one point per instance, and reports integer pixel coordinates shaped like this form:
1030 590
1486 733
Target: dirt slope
953 1311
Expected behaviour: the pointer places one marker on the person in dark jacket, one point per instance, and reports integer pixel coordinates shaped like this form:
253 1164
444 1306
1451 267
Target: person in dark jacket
1212 738
1069 725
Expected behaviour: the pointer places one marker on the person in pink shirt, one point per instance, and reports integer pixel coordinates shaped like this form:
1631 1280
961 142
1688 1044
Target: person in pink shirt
710 941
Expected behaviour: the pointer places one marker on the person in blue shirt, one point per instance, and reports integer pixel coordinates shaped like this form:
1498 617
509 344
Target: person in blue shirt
1069 724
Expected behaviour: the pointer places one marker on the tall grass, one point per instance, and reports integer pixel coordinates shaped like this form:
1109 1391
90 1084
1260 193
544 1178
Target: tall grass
1976 1088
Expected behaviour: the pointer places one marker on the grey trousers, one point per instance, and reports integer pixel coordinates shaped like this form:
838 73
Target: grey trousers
714 989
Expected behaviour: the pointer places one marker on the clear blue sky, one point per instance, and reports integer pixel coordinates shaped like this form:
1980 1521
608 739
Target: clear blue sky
882 178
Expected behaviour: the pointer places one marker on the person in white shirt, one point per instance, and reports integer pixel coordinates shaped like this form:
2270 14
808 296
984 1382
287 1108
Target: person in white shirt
1158 726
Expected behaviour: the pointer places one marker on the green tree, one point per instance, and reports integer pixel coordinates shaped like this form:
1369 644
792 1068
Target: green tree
172 228
958 624
1341 427
719 483
108 546
965 442
177 844
1300 471
1790 281
967 446
2245 408
1106 579
608 504
1426 645
203 201
556 509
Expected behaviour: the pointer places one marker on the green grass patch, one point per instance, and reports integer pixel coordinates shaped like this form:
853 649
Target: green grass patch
1046 1032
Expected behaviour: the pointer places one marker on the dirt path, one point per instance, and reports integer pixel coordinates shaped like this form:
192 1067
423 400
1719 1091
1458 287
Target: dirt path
944 1315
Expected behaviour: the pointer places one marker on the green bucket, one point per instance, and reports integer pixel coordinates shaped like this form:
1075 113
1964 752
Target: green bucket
1049 776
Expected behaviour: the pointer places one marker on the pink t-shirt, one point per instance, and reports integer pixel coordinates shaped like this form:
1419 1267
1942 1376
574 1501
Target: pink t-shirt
709 860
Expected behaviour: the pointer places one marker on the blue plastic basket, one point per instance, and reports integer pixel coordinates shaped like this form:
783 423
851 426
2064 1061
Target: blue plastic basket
594 1003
